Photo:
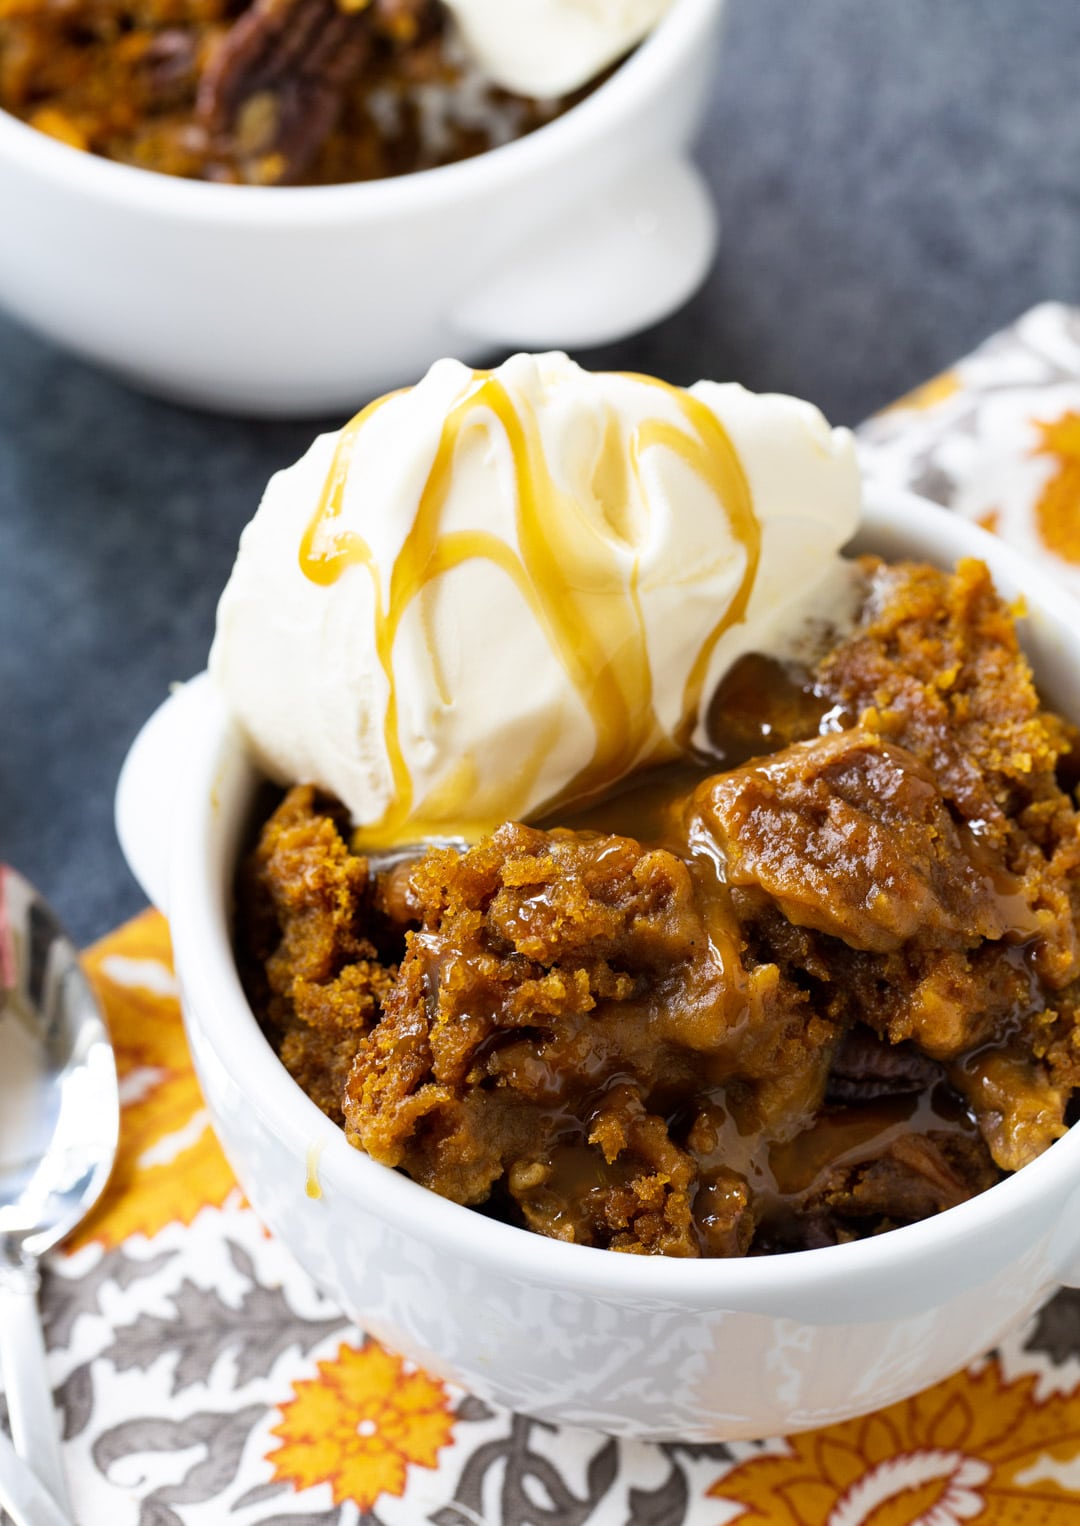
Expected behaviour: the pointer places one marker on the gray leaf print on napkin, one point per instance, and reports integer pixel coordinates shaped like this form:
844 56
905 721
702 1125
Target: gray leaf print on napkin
665 1506
534 1493
471 1408
717 1451
75 1400
204 1328
327 1518
64 1298
934 483
1057 1328
259 1493
220 1437
75 1396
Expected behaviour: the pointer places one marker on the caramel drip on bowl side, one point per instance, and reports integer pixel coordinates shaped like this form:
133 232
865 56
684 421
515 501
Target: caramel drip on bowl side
559 568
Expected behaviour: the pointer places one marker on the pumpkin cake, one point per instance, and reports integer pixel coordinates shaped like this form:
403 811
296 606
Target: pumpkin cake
816 982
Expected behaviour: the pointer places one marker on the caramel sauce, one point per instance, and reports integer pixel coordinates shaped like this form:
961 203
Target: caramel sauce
850 1136
648 807
558 567
763 706
655 810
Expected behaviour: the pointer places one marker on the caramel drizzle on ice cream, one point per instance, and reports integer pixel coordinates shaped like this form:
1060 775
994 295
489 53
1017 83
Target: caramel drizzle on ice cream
558 569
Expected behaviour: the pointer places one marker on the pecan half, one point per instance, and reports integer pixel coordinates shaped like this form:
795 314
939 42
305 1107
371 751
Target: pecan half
273 89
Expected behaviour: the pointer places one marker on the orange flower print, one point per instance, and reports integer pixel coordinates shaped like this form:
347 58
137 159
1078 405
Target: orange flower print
360 1424
169 1164
932 392
1057 513
974 1447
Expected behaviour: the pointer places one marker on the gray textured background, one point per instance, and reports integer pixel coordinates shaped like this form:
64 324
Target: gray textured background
895 179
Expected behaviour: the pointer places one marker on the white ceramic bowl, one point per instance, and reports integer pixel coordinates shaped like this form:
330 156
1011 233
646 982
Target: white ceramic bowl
641 1346
294 300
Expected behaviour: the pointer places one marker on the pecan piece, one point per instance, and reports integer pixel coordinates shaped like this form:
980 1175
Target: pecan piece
272 91
866 1068
170 66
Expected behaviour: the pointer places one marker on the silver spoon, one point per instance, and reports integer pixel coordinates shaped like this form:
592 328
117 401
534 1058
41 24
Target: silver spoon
22 1496
59 1122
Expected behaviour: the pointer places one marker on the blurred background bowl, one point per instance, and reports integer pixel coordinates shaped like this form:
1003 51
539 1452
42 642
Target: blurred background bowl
300 300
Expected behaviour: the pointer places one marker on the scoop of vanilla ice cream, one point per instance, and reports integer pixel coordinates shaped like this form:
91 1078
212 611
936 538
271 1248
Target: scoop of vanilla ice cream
498 590
547 48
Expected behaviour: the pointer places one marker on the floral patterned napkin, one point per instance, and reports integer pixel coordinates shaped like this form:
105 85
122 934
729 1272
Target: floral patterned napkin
203 1379
997 438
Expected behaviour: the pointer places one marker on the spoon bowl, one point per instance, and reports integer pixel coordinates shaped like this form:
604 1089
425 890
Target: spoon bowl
384 860
59 1126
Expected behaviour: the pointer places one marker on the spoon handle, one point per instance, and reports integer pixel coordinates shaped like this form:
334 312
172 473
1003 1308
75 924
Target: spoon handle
22 1496
34 1427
